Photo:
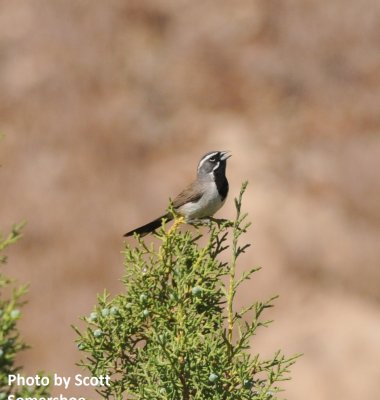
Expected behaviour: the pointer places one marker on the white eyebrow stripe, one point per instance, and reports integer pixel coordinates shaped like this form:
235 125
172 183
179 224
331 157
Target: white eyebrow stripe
204 159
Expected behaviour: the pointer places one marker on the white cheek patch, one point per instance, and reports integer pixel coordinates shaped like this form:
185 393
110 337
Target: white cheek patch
216 167
212 174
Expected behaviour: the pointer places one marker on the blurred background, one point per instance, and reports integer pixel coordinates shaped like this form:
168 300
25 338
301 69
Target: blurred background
107 108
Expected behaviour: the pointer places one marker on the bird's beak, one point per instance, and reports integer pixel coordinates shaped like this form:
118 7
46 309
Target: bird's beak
225 155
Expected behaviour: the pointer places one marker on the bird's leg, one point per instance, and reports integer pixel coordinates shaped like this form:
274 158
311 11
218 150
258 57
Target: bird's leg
221 221
217 221
209 220
200 221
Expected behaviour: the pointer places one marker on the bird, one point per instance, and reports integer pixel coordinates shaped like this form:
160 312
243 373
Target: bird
202 198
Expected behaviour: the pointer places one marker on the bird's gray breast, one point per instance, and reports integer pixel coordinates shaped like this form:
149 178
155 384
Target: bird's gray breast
206 206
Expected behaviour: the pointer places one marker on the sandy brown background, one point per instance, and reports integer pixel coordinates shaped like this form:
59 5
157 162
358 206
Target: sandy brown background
107 107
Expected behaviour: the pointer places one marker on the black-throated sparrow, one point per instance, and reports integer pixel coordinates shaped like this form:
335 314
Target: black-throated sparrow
202 198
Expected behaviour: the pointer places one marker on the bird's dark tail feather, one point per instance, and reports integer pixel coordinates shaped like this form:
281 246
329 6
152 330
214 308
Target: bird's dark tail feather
150 227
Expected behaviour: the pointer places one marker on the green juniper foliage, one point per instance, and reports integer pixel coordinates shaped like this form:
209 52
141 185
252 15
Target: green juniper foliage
10 341
174 333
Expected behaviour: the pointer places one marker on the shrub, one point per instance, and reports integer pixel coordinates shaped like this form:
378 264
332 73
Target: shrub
11 302
174 333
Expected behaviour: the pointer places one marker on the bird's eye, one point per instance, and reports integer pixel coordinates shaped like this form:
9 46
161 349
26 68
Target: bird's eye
212 159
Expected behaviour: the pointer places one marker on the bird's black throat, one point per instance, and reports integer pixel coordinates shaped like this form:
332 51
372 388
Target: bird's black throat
220 179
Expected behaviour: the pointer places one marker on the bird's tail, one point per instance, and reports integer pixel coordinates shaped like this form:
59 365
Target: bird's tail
150 227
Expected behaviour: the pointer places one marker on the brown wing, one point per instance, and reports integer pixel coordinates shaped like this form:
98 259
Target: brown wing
191 194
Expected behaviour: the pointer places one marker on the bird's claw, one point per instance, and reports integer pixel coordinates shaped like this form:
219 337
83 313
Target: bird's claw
209 220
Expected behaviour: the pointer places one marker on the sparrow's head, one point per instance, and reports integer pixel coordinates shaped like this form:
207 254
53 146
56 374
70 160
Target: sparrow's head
213 163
